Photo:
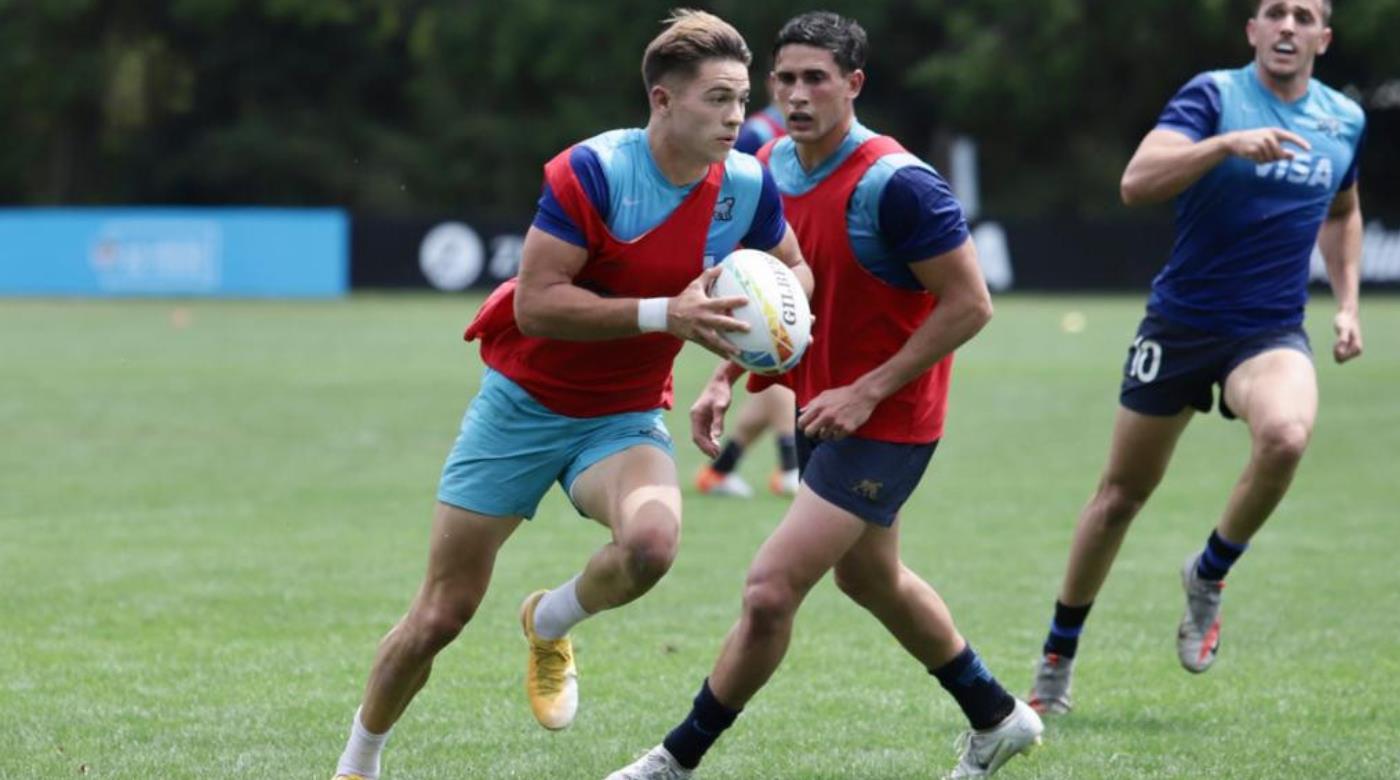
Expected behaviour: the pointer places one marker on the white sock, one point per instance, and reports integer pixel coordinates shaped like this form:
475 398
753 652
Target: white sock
361 756
559 611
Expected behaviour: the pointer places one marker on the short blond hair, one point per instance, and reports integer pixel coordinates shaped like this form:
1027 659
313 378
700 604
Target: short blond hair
690 38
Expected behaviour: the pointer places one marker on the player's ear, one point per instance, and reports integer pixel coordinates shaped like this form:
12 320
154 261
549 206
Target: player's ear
660 98
1326 40
856 81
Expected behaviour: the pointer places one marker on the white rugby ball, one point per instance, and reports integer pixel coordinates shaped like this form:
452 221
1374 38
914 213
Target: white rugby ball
779 318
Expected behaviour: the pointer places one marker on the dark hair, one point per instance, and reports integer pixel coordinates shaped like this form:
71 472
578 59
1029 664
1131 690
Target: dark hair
1326 9
691 37
843 37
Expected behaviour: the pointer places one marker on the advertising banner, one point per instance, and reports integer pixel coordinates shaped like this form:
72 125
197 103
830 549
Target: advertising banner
252 252
448 254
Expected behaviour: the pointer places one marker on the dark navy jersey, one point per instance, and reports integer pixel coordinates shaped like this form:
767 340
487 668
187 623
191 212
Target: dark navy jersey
1245 231
632 196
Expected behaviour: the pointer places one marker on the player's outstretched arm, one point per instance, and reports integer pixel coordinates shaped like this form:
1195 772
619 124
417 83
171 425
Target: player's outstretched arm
964 307
1340 243
549 305
1167 161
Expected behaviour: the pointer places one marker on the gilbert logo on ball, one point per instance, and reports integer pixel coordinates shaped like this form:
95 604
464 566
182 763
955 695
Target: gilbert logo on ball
779 318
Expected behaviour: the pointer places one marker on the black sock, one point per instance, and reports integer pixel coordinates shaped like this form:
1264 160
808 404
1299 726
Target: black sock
706 722
787 452
977 692
1063 639
728 457
1218 556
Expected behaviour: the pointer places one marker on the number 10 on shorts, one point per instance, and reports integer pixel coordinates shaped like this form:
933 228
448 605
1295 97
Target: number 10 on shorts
1144 360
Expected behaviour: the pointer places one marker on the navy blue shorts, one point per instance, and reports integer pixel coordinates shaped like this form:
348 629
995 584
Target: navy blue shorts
868 478
1171 366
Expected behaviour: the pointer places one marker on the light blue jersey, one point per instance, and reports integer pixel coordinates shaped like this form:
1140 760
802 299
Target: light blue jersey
1245 231
901 212
632 196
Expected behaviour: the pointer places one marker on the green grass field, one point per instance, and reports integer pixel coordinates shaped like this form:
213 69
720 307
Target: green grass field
208 518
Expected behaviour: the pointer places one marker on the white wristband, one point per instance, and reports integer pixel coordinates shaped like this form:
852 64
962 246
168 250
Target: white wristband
651 314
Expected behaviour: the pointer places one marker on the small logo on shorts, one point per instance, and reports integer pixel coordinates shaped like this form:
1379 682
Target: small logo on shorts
868 489
657 433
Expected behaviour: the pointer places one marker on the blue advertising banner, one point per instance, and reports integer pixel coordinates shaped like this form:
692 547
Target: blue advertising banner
248 252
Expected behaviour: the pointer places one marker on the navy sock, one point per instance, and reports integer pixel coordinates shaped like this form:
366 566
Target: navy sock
728 457
1063 639
706 722
981 697
1217 558
787 452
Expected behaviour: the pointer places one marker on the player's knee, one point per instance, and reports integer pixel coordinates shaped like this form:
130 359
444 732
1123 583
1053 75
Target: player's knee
768 603
1120 501
1281 445
434 626
650 554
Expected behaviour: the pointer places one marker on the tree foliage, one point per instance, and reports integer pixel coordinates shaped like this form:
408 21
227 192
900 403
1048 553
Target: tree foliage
452 105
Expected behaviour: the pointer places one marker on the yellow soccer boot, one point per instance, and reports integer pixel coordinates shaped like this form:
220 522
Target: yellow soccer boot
551 679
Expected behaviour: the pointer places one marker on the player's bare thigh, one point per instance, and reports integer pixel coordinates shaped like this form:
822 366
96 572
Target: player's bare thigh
812 537
631 490
1275 387
1141 448
463 550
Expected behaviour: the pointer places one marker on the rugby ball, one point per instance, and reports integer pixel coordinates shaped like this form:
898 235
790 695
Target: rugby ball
779 318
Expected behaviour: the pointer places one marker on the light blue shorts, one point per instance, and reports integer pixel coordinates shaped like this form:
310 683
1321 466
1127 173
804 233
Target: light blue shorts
511 448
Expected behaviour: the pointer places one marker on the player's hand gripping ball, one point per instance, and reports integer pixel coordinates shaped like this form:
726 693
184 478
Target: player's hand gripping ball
779 318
